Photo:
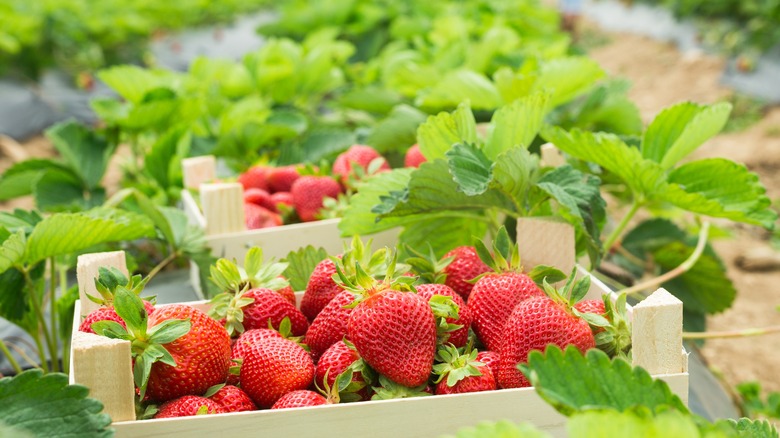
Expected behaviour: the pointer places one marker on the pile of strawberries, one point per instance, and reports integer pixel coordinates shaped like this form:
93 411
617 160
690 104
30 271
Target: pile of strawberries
277 195
367 328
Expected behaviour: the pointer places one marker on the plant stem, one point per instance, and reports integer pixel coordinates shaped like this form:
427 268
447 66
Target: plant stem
66 339
683 268
55 364
732 334
22 354
36 306
11 358
618 231
161 265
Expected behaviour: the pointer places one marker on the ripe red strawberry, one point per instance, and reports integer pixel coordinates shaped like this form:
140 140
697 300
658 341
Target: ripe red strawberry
256 217
320 289
591 306
461 372
395 333
270 306
258 197
414 157
356 156
272 368
287 292
285 198
254 177
538 322
299 399
335 361
330 325
465 266
202 355
460 336
233 399
244 343
107 314
308 193
188 406
281 179
490 359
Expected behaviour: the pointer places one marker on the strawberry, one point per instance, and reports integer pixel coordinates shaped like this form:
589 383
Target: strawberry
254 177
357 161
273 367
188 406
591 306
320 290
287 292
308 193
270 307
340 358
202 356
461 373
414 157
496 294
281 179
256 217
257 196
393 331
300 399
540 321
490 359
242 345
459 336
466 265
107 314
233 399
330 325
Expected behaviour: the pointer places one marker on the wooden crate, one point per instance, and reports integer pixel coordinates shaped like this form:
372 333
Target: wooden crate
103 365
221 215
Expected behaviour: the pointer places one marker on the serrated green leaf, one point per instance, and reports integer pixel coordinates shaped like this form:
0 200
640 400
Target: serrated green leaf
45 405
679 129
749 428
437 135
19 179
461 86
66 233
513 174
300 265
14 302
720 188
516 124
442 233
470 168
86 152
398 130
11 249
643 176
64 191
608 423
571 382
567 78
501 429
358 219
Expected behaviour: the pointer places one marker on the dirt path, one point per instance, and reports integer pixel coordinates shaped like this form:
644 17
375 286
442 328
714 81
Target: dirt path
661 76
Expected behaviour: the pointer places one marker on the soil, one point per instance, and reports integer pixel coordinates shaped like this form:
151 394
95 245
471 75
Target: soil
661 76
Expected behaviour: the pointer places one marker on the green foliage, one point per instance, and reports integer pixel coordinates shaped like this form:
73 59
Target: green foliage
300 265
755 403
45 405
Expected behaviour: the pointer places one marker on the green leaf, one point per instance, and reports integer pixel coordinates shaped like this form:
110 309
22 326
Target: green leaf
461 86
85 152
131 309
567 78
679 129
571 382
64 191
442 233
14 301
11 249
169 331
66 233
398 130
321 142
358 217
19 179
437 135
163 161
66 304
513 174
720 188
644 177
746 427
300 265
608 423
133 83
516 124
45 405
470 168
500 429
549 273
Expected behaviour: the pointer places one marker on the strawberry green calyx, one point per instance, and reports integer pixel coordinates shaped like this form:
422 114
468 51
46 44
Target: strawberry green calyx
146 342
375 264
444 307
228 307
213 390
505 257
362 285
109 279
615 339
285 329
389 390
428 267
572 293
256 273
456 366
